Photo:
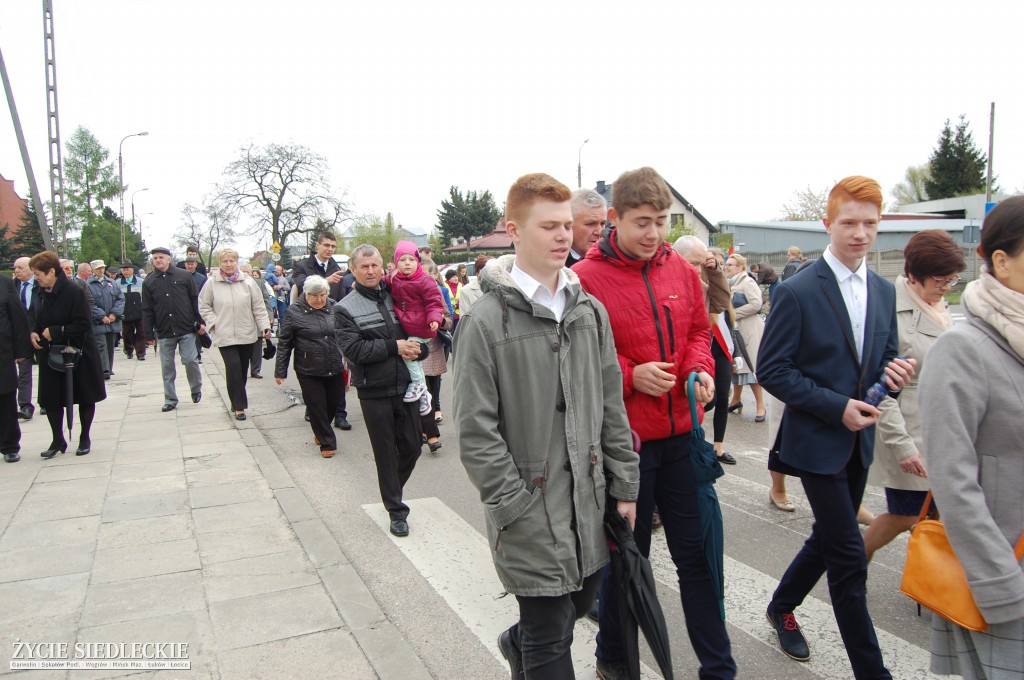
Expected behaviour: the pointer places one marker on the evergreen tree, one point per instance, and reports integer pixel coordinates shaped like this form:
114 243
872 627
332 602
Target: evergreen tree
90 179
468 216
957 165
28 240
7 254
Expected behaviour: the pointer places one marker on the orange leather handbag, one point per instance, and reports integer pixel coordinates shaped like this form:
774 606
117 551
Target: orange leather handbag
934 578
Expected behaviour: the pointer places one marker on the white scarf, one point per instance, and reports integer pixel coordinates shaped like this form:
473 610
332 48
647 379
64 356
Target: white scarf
937 312
999 307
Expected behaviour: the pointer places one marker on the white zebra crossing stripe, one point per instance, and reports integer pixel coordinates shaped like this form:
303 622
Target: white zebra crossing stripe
455 560
747 592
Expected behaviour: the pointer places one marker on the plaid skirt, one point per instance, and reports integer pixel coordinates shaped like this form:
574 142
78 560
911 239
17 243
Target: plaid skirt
995 655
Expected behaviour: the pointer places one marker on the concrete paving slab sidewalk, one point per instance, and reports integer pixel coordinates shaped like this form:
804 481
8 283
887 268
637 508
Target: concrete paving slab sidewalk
181 527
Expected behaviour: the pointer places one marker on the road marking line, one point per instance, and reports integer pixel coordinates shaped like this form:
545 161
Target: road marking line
747 594
455 560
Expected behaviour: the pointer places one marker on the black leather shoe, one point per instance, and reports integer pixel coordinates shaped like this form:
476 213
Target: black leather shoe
25 413
434 446
42 411
399 527
791 640
342 424
12 457
511 654
240 415
141 358
196 396
168 407
52 451
84 447
106 375
726 458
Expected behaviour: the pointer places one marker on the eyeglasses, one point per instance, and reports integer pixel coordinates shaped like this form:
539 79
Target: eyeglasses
946 281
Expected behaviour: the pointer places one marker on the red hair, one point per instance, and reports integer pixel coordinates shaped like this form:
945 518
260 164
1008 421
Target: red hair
529 189
854 188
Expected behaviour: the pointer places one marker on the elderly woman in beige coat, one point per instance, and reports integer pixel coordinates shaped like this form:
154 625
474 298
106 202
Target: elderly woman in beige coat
231 304
932 260
751 327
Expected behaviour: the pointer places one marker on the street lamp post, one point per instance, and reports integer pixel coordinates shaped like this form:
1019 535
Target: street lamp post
579 166
120 182
133 210
140 223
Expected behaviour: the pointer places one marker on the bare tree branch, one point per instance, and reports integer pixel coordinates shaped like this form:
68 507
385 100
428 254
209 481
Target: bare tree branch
284 189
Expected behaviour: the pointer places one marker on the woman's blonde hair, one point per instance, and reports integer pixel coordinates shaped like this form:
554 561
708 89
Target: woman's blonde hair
224 252
740 260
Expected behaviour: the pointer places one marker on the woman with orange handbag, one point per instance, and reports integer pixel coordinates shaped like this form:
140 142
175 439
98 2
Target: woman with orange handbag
971 401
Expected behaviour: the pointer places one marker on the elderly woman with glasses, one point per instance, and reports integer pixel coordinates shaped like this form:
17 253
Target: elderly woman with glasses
932 260
307 331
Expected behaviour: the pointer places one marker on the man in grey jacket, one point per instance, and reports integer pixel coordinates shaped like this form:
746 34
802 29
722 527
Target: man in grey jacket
376 348
110 301
547 447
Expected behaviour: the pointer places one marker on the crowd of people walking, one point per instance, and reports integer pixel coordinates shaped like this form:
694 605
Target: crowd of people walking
570 360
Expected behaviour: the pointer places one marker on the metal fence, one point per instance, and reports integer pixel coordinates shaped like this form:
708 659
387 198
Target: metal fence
886 263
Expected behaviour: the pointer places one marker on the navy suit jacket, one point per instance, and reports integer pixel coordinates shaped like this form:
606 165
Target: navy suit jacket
808 359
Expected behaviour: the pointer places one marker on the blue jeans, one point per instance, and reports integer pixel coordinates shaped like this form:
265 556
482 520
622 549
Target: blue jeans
667 480
186 345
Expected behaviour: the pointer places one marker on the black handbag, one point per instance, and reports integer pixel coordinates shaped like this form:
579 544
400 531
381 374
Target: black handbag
62 357
269 350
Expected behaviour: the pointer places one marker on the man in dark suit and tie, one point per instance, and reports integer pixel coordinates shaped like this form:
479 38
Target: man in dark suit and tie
14 350
26 288
322 263
831 333
589 215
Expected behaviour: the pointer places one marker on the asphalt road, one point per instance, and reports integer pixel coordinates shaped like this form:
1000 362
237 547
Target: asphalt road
424 586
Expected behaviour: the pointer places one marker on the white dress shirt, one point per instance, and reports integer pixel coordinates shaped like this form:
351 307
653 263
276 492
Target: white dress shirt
853 285
539 293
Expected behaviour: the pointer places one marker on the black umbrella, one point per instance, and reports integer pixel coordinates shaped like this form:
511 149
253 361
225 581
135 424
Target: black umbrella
70 359
707 469
637 597
64 358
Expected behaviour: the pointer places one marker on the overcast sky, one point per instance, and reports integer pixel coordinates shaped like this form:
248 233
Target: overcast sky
736 104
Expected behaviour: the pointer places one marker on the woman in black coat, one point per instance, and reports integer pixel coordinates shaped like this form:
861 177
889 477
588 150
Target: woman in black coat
63 318
307 330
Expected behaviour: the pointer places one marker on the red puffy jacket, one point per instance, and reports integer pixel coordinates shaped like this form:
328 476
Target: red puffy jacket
657 313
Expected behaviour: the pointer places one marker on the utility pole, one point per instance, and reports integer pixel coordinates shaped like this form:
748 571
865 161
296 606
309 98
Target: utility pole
36 202
53 128
579 166
991 139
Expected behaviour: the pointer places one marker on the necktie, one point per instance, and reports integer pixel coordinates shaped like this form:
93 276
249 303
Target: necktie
24 293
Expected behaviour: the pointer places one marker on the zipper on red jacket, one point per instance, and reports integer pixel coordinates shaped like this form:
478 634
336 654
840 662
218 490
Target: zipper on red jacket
661 339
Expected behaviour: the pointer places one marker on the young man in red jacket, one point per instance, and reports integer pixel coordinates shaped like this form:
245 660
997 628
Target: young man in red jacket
656 307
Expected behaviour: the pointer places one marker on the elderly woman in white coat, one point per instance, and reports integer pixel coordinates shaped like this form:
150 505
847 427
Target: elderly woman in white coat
932 261
971 405
231 304
751 327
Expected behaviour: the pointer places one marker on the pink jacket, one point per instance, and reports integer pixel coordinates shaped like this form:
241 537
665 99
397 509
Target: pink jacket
417 303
